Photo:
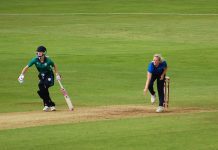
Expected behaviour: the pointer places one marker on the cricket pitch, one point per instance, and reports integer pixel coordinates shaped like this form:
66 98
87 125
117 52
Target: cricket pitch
85 114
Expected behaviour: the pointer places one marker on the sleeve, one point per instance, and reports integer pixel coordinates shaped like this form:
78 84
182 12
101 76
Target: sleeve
52 63
31 62
165 64
150 68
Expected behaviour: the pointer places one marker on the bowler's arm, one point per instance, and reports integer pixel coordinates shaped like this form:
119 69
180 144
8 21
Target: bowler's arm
149 75
164 73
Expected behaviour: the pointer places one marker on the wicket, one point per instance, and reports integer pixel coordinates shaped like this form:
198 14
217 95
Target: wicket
166 92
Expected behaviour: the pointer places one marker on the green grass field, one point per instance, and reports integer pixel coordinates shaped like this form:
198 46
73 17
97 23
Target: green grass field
102 49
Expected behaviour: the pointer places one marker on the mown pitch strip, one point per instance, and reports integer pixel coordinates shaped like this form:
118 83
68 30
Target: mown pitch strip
85 114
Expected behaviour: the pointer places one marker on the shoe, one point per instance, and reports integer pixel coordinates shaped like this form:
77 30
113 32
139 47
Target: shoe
153 99
53 108
46 108
160 109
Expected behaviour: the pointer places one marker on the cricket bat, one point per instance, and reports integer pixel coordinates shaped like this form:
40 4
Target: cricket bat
66 96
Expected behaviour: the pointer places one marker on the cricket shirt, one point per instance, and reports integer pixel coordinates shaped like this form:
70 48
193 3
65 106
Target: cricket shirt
157 70
42 67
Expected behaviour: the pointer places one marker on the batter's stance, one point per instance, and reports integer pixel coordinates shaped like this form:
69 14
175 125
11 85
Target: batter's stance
45 67
156 71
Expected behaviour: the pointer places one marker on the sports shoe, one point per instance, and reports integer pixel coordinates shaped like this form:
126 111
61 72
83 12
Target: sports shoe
153 98
53 108
46 108
160 109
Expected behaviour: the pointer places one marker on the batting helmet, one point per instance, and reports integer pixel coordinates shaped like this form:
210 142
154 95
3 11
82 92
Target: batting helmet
41 49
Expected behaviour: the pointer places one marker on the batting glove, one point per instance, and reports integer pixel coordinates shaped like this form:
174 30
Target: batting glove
58 77
21 78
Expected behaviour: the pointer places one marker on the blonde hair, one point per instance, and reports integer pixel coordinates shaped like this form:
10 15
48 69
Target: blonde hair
161 59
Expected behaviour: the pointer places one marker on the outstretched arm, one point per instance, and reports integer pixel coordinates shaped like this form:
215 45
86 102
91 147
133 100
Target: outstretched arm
58 77
25 69
21 77
147 82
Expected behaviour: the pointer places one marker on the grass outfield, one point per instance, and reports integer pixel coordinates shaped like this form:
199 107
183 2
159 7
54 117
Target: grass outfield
190 131
102 49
